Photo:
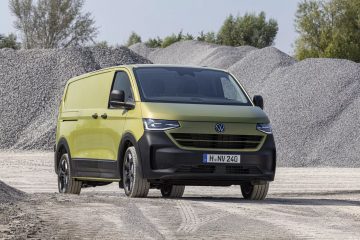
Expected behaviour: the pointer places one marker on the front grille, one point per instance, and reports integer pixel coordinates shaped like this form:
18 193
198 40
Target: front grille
224 141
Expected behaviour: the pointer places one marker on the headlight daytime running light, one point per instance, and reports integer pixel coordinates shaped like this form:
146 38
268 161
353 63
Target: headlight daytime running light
264 127
160 124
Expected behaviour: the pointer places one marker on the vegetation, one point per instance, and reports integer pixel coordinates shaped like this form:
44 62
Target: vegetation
52 23
328 29
249 29
133 38
209 37
9 41
154 42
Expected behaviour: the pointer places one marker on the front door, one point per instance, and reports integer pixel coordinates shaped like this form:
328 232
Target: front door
113 124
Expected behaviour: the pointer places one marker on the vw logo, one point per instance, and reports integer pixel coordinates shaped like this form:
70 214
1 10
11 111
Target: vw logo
220 127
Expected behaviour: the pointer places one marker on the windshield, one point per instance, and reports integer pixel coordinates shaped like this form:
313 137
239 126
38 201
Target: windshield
189 85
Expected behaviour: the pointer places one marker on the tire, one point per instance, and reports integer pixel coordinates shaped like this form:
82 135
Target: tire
172 191
66 184
134 183
254 192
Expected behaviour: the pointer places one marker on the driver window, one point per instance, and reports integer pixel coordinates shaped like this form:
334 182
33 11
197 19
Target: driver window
122 82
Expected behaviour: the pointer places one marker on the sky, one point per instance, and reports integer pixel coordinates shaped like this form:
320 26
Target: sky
116 19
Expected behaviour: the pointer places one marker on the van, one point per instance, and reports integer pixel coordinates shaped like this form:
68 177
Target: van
164 127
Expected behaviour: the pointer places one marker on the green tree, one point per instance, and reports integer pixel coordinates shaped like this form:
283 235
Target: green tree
209 37
133 38
9 41
249 29
188 36
226 35
52 23
328 29
154 42
173 38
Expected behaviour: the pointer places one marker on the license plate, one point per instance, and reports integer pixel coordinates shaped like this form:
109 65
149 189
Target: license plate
221 158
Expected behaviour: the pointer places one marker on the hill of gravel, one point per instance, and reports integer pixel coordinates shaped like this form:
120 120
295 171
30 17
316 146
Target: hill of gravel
9 194
31 85
314 105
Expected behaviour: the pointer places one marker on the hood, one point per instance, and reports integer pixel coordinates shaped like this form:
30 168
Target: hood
203 112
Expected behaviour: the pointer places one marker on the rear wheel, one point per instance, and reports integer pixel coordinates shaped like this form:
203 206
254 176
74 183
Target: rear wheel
254 192
172 191
134 183
66 183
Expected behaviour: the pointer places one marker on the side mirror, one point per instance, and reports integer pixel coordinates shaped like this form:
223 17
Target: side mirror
258 101
117 100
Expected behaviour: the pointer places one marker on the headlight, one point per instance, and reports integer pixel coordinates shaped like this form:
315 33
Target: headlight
159 124
264 127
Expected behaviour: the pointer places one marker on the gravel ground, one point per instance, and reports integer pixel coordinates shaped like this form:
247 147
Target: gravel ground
303 203
32 82
314 105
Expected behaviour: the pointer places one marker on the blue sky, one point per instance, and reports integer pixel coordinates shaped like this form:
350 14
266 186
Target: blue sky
150 18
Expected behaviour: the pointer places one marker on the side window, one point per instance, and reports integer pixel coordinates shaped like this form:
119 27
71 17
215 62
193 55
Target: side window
122 82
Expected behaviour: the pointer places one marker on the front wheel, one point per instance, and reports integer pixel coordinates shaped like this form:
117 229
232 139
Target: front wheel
66 183
134 183
254 191
172 191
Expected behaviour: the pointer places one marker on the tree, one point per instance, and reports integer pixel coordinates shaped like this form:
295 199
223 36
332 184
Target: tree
154 42
53 23
9 41
173 38
249 29
328 29
209 37
133 38
227 31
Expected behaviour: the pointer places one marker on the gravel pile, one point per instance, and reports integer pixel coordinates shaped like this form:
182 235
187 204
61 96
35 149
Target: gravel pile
314 105
9 194
31 85
194 53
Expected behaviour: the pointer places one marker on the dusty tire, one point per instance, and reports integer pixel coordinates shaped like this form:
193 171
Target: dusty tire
172 191
134 183
66 184
254 192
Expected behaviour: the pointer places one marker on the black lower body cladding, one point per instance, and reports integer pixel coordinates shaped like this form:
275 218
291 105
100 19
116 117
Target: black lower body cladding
163 161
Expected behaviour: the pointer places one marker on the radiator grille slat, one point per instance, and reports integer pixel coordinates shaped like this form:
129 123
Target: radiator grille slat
224 141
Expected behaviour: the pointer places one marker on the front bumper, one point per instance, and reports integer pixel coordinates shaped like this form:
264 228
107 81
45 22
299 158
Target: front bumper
162 161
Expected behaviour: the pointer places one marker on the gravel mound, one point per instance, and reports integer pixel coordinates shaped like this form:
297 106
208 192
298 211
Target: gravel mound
31 85
194 53
142 49
248 72
314 105
9 194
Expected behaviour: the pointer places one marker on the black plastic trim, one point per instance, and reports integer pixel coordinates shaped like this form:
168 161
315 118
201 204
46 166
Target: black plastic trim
95 168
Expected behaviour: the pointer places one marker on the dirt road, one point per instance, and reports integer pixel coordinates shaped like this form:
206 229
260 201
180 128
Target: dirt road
311 203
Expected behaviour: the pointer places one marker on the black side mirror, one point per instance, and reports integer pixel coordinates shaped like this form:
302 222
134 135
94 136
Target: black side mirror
117 96
117 100
258 101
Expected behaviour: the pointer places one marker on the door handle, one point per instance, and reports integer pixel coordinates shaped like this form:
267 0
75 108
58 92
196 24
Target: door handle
94 116
104 116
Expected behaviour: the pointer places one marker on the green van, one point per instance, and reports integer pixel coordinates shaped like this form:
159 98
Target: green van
164 127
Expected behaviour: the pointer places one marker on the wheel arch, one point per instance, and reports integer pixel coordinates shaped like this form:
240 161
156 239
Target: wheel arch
127 140
61 147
